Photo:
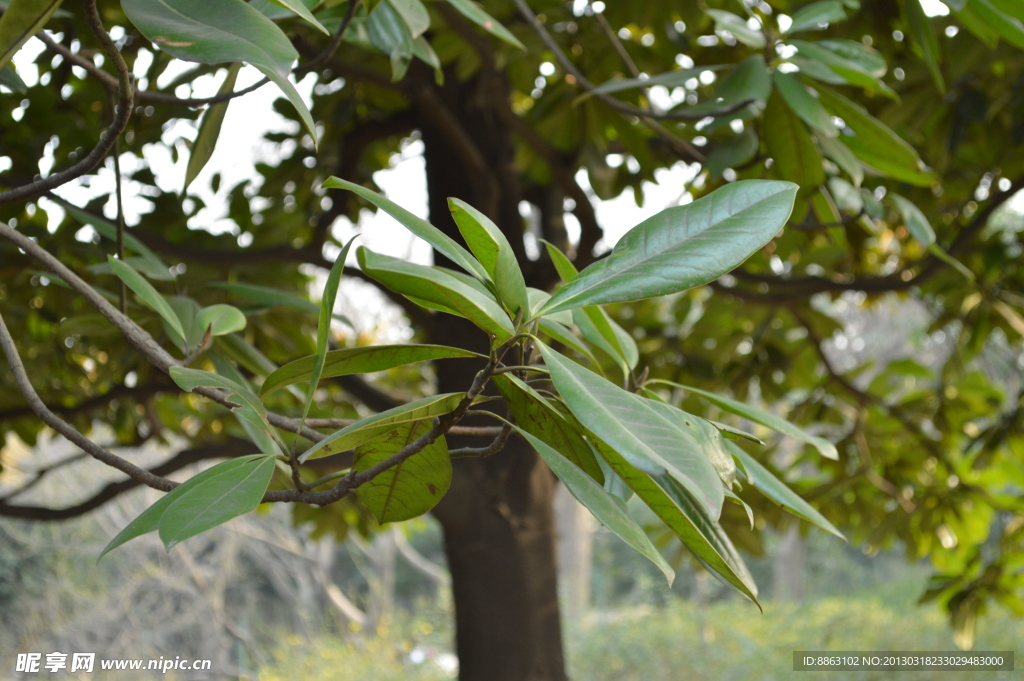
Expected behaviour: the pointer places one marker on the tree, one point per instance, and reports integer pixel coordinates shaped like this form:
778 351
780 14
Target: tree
893 156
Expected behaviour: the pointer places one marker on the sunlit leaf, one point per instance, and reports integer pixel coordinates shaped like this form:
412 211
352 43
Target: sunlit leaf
21 20
147 293
209 130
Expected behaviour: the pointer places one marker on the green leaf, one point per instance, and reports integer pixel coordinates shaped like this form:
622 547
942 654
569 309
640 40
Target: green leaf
414 14
635 428
537 300
803 104
826 448
10 79
149 520
389 33
683 246
841 155
727 21
732 152
366 429
749 80
21 20
792 148
223 319
147 293
865 57
563 266
921 230
439 286
810 17
494 252
699 532
224 31
874 143
540 418
924 37
323 329
441 242
472 11
251 422
298 7
358 361
411 488
216 500
562 334
209 130
773 488
601 331
852 72
187 311
1008 26
607 508
108 230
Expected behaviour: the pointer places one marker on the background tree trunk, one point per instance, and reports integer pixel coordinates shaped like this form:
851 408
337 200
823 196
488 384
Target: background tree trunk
498 517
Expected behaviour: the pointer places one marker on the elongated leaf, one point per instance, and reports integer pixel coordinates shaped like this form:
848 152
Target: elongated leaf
221 319
367 429
791 146
149 520
108 230
358 361
707 438
537 416
811 17
10 79
566 270
187 312
826 448
411 488
251 422
414 14
732 152
560 333
298 7
439 286
727 21
147 293
190 379
264 295
607 508
494 252
921 230
853 72
803 104
924 37
874 143
21 20
597 328
776 490
442 243
472 11
867 58
636 429
696 530
216 500
209 130
224 31
684 246
537 300
670 79
843 157
1009 26
389 33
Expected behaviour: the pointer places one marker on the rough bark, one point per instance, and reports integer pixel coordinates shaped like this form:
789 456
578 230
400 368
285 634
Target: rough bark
498 518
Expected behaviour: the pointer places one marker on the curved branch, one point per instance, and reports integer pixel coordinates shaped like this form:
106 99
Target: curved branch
125 91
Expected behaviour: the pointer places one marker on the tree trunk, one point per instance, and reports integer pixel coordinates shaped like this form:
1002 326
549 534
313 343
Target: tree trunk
498 518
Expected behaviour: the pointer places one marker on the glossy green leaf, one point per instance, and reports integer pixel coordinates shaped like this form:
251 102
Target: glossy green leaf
537 416
216 500
414 14
607 508
10 79
254 426
1009 24
411 488
190 379
874 143
149 520
360 360
811 17
803 103
298 7
537 300
826 448
472 11
749 80
147 293
442 243
209 130
20 21
670 79
494 252
841 155
389 33
563 266
601 331
187 311
727 21
684 246
732 152
852 72
776 490
867 58
564 335
222 319
924 37
439 286
364 430
636 428
791 146
224 31
698 531
108 230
